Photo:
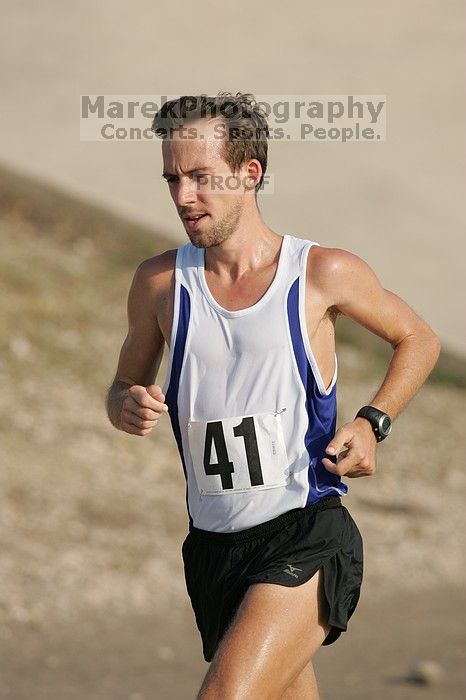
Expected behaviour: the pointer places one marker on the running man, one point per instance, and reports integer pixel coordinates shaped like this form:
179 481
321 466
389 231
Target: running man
273 560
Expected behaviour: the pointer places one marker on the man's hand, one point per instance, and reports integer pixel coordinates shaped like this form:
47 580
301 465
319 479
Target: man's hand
359 459
142 408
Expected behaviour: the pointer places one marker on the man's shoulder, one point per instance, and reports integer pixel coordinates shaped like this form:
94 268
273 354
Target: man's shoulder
158 264
155 274
325 264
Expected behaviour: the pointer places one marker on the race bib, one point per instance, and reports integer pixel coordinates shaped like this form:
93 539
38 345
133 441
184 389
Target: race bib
245 453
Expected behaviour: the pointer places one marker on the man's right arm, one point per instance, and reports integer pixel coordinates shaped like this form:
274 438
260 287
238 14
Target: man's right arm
134 404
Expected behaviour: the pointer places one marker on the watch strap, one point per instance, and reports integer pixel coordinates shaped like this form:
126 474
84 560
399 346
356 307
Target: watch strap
373 415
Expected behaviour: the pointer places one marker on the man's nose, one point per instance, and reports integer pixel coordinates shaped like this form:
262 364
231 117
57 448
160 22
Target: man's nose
185 192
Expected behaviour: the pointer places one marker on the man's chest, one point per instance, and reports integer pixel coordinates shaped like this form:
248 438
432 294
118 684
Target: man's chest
246 293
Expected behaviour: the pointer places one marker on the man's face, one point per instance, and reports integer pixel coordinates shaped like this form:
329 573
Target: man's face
201 182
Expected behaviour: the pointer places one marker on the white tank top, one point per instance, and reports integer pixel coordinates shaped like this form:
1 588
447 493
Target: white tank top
248 407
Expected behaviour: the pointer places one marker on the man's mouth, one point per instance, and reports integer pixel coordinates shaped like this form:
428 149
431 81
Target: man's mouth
194 216
193 220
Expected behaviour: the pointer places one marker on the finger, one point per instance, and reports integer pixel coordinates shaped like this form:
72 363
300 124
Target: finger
346 462
155 391
160 405
329 465
133 419
134 409
333 468
131 409
142 398
134 430
338 441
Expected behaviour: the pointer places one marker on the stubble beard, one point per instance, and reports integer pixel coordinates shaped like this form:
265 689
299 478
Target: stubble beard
219 232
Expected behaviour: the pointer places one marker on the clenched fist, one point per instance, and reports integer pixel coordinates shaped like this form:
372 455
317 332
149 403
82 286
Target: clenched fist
142 408
360 458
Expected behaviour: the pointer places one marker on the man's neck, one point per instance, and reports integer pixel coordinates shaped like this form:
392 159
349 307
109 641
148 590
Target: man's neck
245 251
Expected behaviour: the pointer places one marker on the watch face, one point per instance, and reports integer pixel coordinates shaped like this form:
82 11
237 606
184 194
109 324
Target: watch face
385 425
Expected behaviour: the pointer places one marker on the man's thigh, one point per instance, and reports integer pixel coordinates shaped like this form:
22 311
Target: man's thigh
275 632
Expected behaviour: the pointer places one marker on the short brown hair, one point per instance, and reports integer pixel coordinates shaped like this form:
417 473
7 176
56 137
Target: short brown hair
244 120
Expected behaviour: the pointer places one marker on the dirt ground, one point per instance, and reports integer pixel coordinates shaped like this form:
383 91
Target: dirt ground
143 657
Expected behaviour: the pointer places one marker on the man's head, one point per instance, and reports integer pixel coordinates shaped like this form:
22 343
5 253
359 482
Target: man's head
214 159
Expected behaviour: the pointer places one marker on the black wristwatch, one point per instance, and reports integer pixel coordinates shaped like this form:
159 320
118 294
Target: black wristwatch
380 421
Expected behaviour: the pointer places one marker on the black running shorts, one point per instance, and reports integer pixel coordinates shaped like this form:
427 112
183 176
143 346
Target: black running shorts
288 550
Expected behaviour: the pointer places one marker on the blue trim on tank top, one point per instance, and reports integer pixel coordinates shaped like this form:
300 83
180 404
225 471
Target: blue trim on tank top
321 411
171 398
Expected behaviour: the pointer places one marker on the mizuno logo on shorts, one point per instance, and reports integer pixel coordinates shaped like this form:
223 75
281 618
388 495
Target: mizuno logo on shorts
291 569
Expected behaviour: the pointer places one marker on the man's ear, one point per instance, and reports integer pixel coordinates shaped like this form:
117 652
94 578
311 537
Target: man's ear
253 172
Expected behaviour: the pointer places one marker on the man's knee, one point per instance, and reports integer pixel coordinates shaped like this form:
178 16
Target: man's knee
304 686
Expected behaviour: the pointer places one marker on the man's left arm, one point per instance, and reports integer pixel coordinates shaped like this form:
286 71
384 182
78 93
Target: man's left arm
353 289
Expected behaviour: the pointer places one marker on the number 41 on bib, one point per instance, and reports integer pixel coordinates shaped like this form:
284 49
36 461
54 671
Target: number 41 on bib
244 453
